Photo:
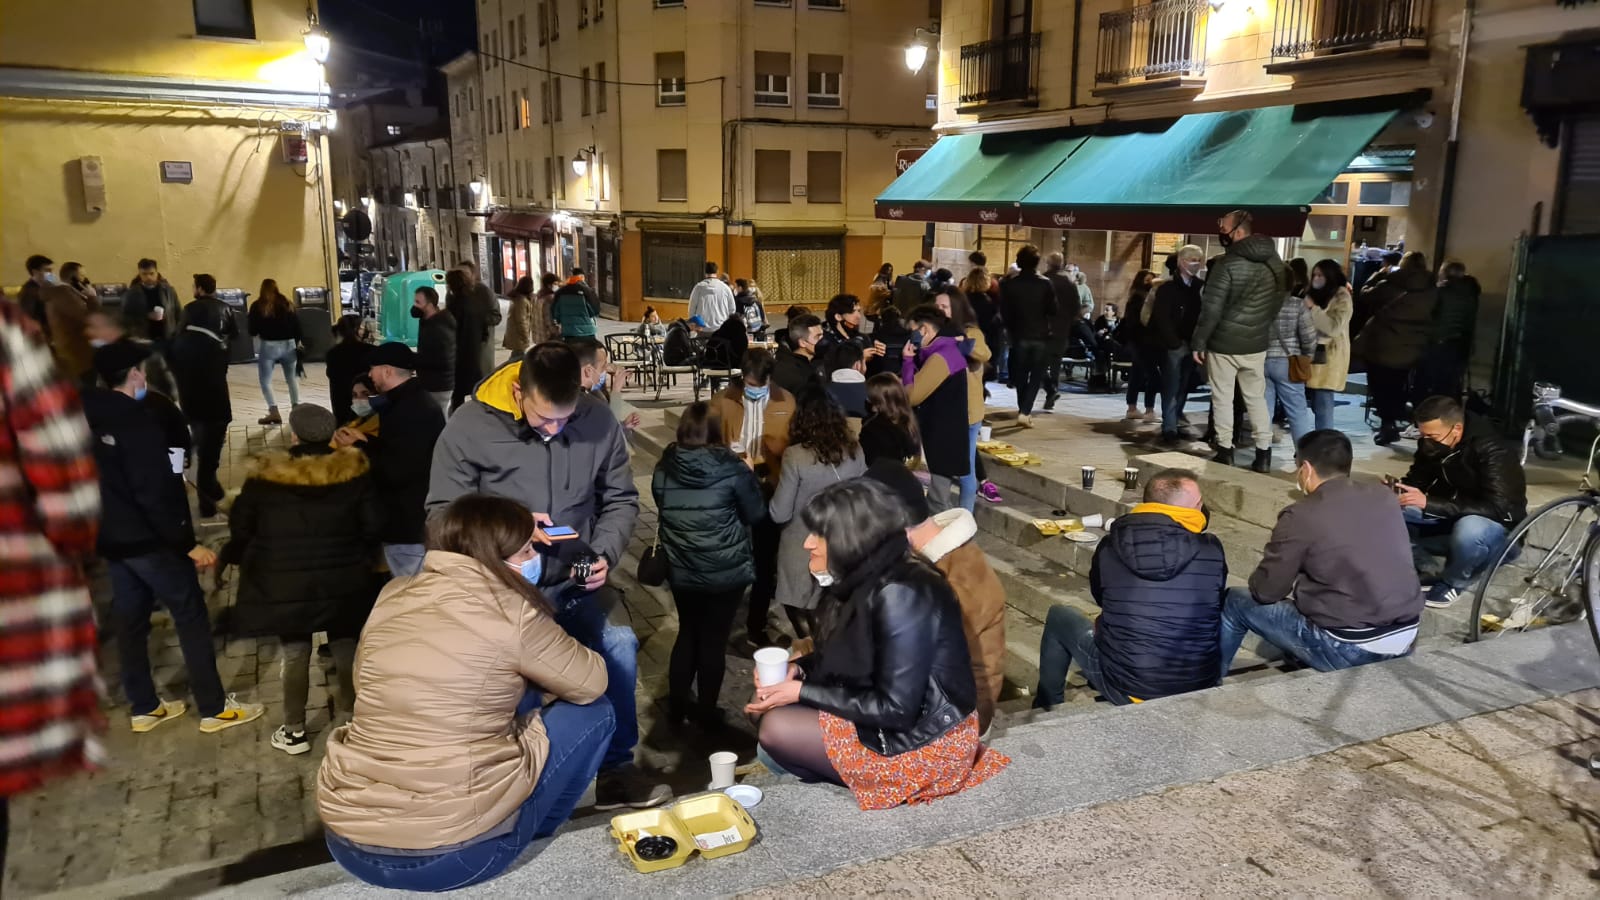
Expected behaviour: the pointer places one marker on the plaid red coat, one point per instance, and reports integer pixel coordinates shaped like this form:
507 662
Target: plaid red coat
49 507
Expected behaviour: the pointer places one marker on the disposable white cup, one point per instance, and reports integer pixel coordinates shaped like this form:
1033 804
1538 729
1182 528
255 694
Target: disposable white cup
1094 521
722 763
772 665
985 432
160 313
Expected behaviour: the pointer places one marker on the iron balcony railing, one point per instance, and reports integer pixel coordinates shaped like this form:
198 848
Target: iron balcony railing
1311 27
1002 70
1157 40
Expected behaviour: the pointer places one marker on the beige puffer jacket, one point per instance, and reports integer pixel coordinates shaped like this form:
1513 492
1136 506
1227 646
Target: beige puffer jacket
433 755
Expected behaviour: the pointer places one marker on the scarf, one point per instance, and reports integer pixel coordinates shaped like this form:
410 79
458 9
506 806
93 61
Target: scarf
1192 520
755 415
845 653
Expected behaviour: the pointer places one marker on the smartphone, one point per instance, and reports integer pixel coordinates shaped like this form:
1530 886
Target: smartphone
559 533
1392 483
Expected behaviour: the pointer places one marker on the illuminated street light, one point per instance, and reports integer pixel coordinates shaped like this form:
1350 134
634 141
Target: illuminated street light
580 163
318 44
917 50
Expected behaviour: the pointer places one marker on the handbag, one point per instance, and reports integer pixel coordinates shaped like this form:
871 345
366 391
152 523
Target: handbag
653 564
1300 369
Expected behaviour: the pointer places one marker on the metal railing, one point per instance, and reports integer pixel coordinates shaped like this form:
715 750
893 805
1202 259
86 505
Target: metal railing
1309 27
1156 40
1001 70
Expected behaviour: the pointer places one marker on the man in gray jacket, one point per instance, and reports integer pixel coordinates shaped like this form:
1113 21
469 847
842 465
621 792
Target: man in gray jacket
1336 587
1238 309
532 434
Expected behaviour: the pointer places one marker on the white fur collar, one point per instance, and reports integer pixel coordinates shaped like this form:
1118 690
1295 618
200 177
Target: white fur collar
956 528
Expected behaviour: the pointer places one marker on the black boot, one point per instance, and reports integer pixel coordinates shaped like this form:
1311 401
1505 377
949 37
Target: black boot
1263 462
1223 455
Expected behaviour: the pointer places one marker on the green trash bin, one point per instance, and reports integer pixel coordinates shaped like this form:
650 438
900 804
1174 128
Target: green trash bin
394 309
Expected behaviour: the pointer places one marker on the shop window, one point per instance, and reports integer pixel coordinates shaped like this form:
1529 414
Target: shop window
772 176
1336 194
672 175
1385 193
224 18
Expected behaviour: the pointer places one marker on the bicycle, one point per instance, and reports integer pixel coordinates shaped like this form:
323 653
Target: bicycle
1549 571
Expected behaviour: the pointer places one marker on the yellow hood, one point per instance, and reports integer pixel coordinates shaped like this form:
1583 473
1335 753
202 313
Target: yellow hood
1192 519
495 391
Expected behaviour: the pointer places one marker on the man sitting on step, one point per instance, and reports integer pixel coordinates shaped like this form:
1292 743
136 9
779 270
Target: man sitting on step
1159 581
1335 587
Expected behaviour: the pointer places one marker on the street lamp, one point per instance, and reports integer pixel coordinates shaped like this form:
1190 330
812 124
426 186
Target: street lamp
316 37
580 163
475 186
917 50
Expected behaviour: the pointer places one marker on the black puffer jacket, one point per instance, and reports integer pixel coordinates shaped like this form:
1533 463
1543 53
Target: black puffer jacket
304 533
143 505
1480 476
402 459
894 660
1160 586
1241 299
437 346
1456 316
200 360
1402 304
1176 313
707 499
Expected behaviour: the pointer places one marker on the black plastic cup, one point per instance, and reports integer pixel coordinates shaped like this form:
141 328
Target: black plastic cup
1088 478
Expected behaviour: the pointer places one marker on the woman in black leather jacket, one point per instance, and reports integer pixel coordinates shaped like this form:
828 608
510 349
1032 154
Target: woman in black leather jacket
885 706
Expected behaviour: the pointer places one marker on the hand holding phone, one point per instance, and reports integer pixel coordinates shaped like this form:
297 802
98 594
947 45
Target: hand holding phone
559 533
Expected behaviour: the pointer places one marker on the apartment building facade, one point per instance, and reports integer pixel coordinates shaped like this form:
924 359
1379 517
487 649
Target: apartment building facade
638 139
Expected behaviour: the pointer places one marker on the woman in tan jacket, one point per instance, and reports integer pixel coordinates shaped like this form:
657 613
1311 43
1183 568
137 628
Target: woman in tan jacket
450 768
1328 298
958 308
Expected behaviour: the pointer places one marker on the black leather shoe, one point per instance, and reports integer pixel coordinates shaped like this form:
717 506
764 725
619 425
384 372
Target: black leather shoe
1223 455
1263 461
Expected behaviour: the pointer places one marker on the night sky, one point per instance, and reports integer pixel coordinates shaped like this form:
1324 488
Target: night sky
417 33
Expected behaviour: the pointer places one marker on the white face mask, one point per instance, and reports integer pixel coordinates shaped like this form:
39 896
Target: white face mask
823 579
50 278
1319 282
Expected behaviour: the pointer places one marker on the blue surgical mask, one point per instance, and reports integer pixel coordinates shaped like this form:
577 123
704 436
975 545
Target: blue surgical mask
756 394
139 392
530 570
361 408
601 384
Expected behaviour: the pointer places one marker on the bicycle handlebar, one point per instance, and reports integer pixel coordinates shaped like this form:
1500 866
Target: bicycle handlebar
1551 412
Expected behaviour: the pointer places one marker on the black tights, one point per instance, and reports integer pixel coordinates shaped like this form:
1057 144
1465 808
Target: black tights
705 619
792 736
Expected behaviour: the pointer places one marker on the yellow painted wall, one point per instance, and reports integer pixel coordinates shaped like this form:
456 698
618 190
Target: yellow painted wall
247 215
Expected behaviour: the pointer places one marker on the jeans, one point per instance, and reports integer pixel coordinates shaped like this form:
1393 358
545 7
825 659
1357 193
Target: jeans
969 482
1143 377
1029 363
586 622
1291 394
1176 370
1226 370
277 353
939 489
1282 625
208 440
1069 638
577 735
167 578
404 560
1321 401
296 674
1468 544
699 655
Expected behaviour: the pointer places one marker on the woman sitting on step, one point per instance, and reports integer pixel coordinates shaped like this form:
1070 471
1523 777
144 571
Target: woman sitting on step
885 705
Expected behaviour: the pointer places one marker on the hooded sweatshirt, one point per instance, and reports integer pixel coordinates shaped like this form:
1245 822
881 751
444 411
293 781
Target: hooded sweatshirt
580 477
1242 295
1159 580
955 552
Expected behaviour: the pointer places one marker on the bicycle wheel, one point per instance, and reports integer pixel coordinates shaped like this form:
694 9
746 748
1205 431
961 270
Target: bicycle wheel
1539 578
1591 591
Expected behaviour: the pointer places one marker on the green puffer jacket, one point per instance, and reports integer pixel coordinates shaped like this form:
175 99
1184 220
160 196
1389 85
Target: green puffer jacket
707 499
1242 296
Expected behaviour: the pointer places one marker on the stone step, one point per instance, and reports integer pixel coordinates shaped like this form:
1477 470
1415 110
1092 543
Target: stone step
1230 490
1057 485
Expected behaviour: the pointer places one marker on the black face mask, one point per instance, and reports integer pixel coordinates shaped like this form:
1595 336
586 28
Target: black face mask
1225 239
1431 447
1205 513
416 312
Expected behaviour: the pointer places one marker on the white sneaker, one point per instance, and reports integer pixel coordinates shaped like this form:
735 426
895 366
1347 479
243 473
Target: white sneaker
166 712
1410 434
1025 421
233 713
293 743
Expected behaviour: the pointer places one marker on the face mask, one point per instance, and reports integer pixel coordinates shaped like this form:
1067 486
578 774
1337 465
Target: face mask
361 408
1191 268
379 403
531 570
98 342
916 339
823 579
1431 447
139 392
1225 240
1319 282
49 278
416 312
601 384
756 394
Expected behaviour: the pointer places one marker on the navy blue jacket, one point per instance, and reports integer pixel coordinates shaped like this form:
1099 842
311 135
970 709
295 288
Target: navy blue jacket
1160 589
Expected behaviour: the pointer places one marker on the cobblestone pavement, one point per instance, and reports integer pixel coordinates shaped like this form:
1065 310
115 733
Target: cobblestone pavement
1498 805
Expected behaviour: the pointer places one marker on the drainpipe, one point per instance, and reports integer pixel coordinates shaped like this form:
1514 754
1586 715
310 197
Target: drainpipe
1447 181
1077 41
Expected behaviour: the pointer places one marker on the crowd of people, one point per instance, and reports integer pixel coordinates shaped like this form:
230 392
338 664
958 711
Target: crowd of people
454 527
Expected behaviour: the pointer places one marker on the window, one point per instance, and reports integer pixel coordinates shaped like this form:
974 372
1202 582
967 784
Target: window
672 175
600 87
515 121
555 98
522 34
524 115
673 262
825 4
583 13
599 10
583 86
516 169
824 176
511 38
472 99
772 2
393 130
555 19
488 51
224 18
544 102
667 4
561 178
669 80
772 79
772 176
824 73
1385 193
549 179
544 26
494 37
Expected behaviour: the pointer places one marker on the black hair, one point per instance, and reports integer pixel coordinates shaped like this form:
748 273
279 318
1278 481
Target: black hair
711 268
1439 408
842 305
1028 258
587 348
148 263
930 314
205 283
429 294
855 517
348 328
39 261
552 369
757 364
1327 451
700 426
800 326
844 356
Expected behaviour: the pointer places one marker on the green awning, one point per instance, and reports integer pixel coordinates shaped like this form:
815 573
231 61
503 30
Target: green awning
975 178
1180 176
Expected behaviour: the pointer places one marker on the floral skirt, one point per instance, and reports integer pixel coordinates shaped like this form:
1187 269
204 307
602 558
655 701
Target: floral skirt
953 763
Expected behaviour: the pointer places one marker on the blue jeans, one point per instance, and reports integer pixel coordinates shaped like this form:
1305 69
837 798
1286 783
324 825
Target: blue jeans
1069 638
277 353
138 584
1321 401
1291 394
1468 544
577 735
969 482
404 560
1282 625
1176 371
586 622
